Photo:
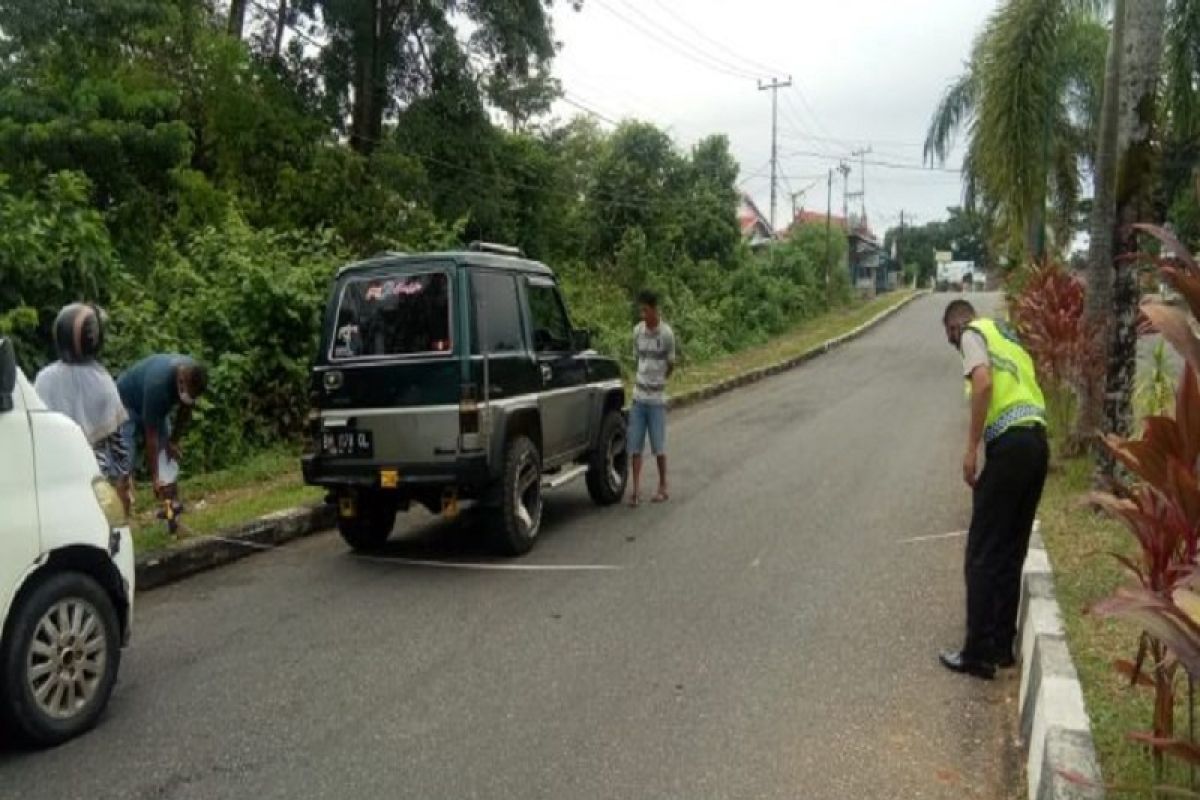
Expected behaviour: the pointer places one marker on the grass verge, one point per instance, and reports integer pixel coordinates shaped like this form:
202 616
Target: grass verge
803 337
1079 543
223 499
271 481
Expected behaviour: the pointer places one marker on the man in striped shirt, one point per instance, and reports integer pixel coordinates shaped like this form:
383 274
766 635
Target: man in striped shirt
654 349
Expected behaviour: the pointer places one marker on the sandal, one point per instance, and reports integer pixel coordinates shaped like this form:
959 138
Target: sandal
661 497
635 501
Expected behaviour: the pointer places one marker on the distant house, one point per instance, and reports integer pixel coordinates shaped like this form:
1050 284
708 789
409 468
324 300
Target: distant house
812 218
756 228
872 270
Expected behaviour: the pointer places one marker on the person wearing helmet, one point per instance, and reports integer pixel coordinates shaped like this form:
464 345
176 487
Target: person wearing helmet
78 386
152 389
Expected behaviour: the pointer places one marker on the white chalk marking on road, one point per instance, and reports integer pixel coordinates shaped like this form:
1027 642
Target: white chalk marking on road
486 567
934 537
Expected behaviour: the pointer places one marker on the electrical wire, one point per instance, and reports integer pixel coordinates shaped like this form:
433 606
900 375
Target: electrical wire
701 59
680 18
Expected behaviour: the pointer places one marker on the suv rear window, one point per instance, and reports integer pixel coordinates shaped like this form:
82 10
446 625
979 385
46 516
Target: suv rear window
395 315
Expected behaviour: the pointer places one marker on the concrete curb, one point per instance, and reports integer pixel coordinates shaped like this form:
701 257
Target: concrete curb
208 552
754 376
1054 720
161 567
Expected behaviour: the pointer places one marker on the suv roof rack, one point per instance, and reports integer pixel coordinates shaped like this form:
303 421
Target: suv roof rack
498 249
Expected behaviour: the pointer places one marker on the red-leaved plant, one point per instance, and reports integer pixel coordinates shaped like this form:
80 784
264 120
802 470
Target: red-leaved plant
1048 313
1161 508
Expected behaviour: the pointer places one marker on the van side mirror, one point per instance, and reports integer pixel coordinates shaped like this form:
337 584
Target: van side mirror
581 340
8 374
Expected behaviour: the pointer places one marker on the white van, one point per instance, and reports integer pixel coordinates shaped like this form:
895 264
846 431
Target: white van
66 571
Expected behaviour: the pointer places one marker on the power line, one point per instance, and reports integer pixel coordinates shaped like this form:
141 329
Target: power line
884 164
680 18
705 52
566 98
859 142
701 59
812 113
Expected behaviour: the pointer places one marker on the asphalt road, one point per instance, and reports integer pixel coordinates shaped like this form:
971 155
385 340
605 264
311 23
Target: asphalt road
767 634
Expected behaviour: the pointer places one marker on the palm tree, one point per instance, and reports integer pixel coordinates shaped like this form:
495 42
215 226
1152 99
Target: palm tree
1029 100
1125 174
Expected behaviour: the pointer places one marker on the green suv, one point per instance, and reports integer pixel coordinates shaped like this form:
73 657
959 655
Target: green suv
450 377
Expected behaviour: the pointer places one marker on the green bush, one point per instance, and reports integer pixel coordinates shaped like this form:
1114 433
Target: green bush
246 302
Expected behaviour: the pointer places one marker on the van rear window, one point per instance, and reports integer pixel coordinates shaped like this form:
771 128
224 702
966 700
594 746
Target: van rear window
396 315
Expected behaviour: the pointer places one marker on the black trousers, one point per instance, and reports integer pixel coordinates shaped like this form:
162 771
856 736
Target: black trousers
1005 503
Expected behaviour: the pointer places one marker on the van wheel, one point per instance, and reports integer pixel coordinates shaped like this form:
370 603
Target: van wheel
608 465
371 526
521 501
59 665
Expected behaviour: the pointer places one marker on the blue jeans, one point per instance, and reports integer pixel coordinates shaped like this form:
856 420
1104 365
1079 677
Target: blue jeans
647 418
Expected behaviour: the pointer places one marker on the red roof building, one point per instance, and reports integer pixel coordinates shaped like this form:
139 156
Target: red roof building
756 228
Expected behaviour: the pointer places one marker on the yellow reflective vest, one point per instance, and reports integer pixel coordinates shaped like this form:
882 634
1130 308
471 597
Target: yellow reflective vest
1016 397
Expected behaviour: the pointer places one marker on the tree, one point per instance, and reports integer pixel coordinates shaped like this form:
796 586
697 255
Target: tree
1133 79
380 52
1029 97
963 234
237 18
638 184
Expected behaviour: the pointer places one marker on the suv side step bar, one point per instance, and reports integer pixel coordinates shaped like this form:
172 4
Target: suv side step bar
565 477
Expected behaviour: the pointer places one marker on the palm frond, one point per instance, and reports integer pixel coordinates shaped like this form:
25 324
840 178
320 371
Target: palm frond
1182 68
1020 100
1082 51
955 109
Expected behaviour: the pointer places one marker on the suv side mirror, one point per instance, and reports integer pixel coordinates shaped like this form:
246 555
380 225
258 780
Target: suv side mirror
8 374
581 340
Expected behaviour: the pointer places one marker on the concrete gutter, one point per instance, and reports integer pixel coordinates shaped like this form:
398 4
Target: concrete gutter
1054 720
754 376
161 567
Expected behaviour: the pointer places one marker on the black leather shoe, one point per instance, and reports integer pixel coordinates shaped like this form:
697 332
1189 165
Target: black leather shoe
955 662
1008 662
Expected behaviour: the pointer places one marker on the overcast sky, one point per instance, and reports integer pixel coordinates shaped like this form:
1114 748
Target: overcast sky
865 73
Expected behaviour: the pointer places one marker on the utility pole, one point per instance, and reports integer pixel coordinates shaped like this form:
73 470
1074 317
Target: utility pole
860 195
802 193
774 86
828 240
844 168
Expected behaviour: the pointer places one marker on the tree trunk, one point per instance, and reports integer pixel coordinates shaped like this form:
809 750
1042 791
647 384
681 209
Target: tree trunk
370 76
237 18
1099 298
280 24
1139 72
366 64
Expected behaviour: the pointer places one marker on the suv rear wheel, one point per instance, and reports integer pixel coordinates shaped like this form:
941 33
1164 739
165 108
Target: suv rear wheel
521 505
372 523
59 665
608 466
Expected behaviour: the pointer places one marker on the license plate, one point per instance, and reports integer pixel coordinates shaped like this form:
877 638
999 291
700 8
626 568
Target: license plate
347 444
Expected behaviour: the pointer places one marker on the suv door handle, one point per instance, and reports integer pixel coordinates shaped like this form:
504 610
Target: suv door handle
547 373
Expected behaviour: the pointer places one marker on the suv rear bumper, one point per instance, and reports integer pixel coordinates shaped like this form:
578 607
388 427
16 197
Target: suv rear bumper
464 472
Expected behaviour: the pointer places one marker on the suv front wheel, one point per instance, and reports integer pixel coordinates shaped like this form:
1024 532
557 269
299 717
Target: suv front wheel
59 664
372 523
521 508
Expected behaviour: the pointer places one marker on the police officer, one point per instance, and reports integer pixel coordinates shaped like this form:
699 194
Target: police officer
1008 417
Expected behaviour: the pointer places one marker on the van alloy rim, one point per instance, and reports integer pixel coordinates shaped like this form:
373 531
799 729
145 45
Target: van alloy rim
528 495
68 658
